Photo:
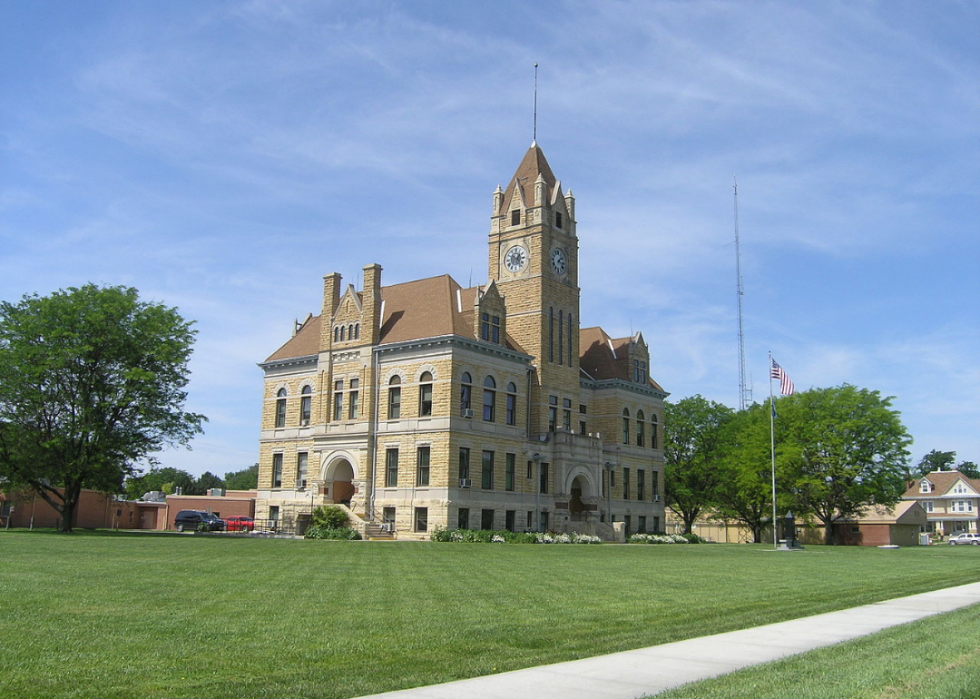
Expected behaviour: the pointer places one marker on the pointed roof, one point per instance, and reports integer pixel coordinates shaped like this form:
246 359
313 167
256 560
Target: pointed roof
533 165
942 484
414 310
604 357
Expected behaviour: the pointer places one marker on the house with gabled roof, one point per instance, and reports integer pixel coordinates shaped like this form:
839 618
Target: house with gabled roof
426 404
950 499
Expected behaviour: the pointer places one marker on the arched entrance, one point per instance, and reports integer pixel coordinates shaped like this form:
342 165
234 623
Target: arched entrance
339 482
576 507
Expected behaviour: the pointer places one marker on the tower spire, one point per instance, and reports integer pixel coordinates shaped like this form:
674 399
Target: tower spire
534 129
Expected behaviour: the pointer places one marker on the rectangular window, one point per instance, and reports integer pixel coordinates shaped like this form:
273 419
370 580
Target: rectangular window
463 518
487 481
484 326
352 413
495 330
421 519
629 524
509 520
530 470
302 463
641 525
640 483
422 467
655 485
464 463
274 514
394 403
561 337
544 478
552 413
566 420
509 467
511 409
551 334
277 470
486 520
391 468
338 400
281 412
544 521
515 217
557 219
530 520
626 484
927 505
425 400
656 525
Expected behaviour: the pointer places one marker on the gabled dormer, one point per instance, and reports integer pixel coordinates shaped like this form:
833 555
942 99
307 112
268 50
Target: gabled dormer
638 359
490 315
962 489
925 486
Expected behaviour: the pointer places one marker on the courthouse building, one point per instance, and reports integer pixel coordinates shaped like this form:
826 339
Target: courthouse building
426 404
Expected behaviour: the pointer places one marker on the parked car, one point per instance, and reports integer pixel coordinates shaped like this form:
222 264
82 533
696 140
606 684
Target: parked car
966 538
235 523
190 520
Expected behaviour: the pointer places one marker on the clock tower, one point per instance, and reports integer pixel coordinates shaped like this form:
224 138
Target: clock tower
533 259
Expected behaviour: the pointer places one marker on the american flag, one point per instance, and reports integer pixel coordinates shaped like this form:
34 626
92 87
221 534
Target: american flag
785 385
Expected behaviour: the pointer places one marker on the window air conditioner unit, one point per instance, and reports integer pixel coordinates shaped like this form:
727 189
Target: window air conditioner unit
304 423
468 412
302 483
656 498
388 527
465 482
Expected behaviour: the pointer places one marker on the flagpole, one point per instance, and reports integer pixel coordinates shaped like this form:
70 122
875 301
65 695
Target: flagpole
772 450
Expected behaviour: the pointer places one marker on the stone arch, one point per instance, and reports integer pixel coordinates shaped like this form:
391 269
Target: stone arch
338 475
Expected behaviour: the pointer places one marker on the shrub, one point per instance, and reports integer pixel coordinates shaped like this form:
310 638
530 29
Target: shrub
658 539
482 536
316 531
330 517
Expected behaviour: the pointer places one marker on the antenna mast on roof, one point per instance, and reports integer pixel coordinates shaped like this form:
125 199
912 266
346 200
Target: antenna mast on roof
534 130
744 392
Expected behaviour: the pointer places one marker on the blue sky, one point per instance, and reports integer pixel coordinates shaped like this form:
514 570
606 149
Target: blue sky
222 156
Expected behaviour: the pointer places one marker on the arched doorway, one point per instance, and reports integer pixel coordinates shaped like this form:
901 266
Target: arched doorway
343 482
576 507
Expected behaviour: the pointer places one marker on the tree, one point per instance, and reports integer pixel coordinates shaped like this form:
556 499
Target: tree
206 482
91 382
842 450
246 479
166 480
935 461
744 491
968 469
693 445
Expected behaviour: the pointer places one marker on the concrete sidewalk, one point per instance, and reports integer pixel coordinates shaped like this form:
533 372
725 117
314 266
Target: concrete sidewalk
647 671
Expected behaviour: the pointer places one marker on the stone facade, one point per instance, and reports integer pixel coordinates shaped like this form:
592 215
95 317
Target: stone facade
426 404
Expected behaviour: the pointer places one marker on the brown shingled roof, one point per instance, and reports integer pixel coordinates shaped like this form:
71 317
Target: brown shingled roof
412 311
604 357
533 164
942 482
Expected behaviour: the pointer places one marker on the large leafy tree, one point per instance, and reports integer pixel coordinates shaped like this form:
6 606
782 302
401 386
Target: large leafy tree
91 382
744 491
246 479
842 450
943 461
694 441
166 480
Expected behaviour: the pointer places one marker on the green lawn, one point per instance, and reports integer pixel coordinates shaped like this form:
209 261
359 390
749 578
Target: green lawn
156 615
935 658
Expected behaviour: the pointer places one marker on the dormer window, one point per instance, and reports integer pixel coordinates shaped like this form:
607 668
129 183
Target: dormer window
515 217
490 328
925 486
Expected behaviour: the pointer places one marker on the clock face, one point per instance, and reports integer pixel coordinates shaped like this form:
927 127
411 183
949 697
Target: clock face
515 259
558 263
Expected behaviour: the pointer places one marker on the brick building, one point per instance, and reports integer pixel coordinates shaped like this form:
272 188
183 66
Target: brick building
427 404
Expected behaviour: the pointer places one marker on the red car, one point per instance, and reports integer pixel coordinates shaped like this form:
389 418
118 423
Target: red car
239 524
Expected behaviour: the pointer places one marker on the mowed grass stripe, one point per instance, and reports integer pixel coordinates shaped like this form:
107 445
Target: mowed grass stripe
106 615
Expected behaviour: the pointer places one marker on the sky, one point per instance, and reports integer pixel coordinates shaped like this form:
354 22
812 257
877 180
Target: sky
221 157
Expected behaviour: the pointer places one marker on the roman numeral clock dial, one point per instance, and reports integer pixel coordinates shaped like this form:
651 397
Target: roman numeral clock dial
516 259
559 264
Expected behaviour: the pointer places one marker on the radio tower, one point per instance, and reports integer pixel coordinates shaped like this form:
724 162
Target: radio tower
744 392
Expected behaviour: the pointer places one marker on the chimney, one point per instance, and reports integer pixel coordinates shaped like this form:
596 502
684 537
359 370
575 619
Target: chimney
331 299
371 304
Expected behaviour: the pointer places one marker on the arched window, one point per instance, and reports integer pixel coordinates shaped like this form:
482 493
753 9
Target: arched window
336 333
489 398
281 408
570 331
561 337
465 391
653 431
305 405
626 425
551 334
425 394
342 338
511 403
394 398
350 331
357 331
640 437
